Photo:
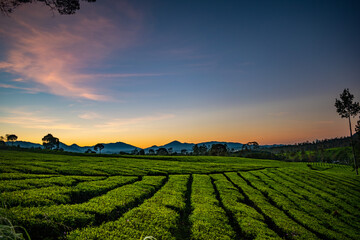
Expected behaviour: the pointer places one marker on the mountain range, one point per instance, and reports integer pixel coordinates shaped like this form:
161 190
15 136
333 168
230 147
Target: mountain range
111 148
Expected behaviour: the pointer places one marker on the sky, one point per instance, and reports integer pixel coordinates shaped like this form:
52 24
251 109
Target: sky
150 72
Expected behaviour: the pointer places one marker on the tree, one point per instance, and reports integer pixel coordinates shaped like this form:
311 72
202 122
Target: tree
183 151
89 151
303 155
135 151
11 138
357 139
142 152
2 141
151 151
64 7
49 142
218 150
162 151
203 150
170 150
253 145
195 149
244 147
357 127
346 108
99 147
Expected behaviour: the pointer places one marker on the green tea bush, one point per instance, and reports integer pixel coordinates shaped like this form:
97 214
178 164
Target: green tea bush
208 220
251 223
158 216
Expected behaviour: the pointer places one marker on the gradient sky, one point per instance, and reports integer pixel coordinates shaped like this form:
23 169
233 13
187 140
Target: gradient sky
149 72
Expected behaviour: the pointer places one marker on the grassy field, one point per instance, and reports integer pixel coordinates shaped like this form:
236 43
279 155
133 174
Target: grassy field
89 197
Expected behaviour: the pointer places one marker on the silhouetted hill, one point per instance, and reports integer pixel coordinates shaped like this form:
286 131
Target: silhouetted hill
178 146
118 147
109 148
24 144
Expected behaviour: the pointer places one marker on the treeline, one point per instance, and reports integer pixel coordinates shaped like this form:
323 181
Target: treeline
315 145
340 155
336 150
249 150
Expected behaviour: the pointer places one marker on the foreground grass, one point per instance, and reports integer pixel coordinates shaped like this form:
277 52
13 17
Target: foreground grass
76 197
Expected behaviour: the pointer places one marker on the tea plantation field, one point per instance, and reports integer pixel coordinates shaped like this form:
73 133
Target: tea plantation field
180 198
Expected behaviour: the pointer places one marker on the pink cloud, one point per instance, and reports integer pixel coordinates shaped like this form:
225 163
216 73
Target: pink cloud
56 53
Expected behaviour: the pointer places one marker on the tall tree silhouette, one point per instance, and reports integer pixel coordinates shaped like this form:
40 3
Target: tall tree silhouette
63 7
2 141
50 142
357 127
195 149
99 147
203 150
347 109
11 138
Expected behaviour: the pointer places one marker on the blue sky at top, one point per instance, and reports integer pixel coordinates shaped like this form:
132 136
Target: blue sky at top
149 72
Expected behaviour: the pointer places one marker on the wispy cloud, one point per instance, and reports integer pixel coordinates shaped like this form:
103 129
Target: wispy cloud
57 56
40 119
35 120
121 75
89 116
119 123
28 90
